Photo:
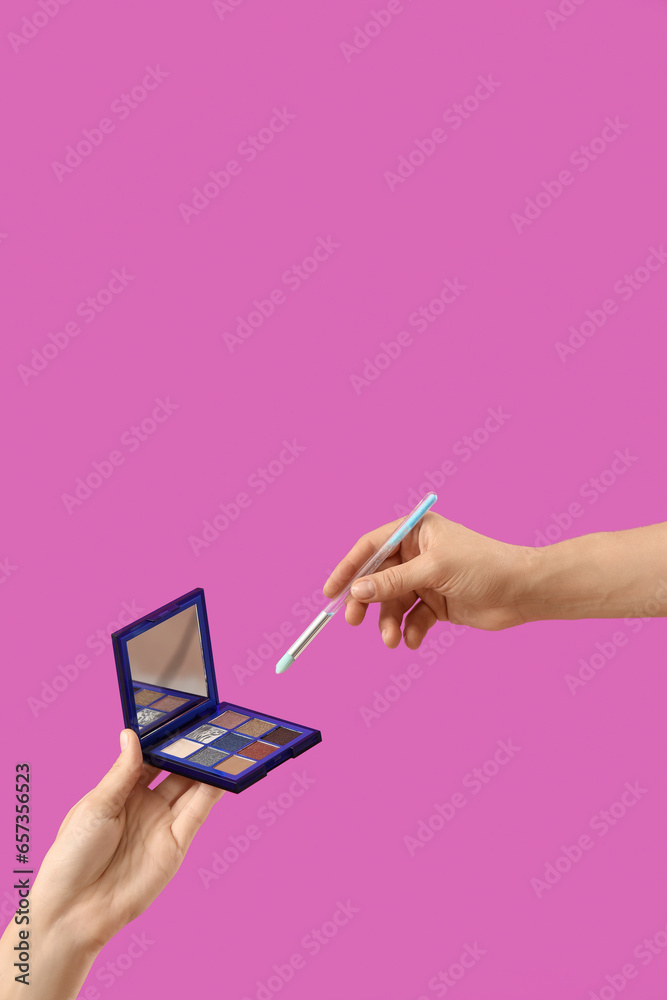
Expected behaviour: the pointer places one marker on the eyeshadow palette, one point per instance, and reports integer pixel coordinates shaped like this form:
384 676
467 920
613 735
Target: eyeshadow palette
169 694
233 752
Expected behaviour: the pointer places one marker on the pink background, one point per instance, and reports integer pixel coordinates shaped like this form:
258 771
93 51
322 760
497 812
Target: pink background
364 450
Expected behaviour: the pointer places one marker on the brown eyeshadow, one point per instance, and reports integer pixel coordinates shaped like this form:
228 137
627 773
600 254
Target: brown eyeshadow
145 697
169 703
281 736
234 765
256 727
257 751
228 719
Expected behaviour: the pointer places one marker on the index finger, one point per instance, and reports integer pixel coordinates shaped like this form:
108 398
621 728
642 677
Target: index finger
197 807
148 774
360 552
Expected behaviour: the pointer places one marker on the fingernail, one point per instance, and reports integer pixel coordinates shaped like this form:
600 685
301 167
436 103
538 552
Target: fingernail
363 589
385 635
124 739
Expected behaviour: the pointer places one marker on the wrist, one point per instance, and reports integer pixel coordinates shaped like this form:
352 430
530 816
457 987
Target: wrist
58 957
571 580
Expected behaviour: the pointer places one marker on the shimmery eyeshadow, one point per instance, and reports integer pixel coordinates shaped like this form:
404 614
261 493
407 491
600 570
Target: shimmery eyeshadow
231 742
229 719
181 748
281 736
145 697
207 756
147 715
169 703
258 751
205 734
256 727
234 765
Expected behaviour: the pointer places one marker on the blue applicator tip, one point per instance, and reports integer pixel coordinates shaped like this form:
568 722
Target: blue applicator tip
283 663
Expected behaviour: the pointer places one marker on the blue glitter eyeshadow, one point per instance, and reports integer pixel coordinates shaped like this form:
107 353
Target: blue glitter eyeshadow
231 742
207 757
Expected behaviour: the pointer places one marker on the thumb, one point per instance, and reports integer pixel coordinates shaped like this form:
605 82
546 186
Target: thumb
394 581
111 793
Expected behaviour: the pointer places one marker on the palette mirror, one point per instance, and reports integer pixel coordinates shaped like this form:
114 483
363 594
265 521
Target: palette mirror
167 670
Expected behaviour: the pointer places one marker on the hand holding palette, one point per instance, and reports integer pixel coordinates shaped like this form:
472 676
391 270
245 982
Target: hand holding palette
170 698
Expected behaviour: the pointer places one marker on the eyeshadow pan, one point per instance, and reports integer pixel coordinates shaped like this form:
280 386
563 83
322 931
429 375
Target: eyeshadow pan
207 757
256 727
258 750
281 736
229 719
181 748
234 765
144 697
169 703
205 734
147 715
231 742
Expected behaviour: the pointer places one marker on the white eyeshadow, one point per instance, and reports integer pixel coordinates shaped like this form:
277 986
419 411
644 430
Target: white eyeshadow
206 734
181 748
147 715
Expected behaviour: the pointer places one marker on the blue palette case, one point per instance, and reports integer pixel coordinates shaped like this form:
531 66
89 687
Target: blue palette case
169 694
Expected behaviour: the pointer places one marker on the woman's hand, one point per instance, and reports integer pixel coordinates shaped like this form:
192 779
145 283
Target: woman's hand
114 853
441 572
445 572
